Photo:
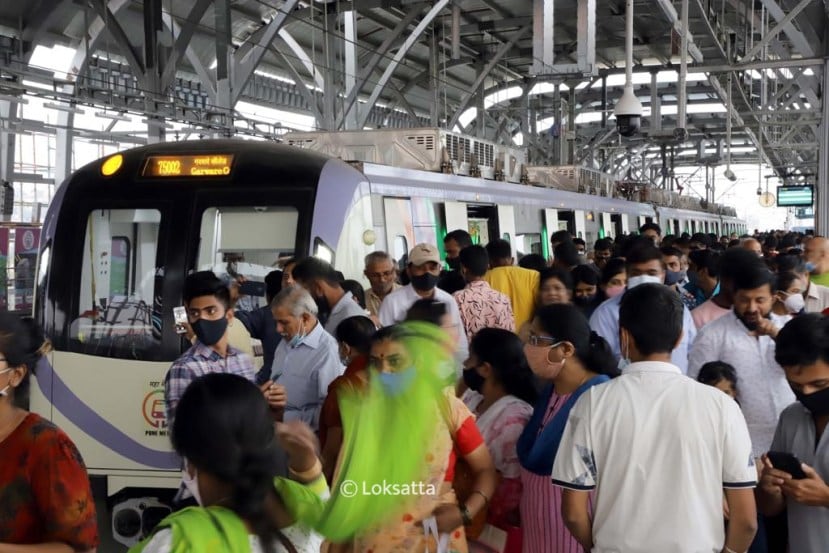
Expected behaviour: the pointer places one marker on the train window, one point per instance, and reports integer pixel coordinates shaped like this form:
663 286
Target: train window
119 289
401 247
246 241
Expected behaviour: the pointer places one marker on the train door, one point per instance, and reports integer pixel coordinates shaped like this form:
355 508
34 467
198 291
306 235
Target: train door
617 224
506 225
531 234
483 223
397 213
606 229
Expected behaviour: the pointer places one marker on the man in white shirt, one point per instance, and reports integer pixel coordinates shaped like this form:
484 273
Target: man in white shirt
658 448
744 338
320 279
424 273
644 265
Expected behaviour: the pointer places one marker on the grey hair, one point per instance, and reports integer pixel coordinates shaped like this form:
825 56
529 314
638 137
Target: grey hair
376 257
297 300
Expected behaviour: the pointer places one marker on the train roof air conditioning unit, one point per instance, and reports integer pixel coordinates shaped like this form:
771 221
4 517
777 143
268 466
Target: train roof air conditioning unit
427 149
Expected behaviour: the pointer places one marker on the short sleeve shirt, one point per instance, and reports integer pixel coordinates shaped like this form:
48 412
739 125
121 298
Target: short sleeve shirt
650 438
45 494
796 434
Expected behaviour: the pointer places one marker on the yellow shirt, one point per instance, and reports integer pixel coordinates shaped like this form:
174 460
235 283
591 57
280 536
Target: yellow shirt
521 287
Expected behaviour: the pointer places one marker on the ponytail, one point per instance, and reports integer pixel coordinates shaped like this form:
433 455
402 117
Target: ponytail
599 357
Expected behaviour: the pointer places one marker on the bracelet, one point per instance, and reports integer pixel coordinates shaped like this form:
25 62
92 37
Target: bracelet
309 474
482 494
727 549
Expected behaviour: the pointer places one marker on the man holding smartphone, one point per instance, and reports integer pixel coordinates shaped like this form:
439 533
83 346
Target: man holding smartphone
803 352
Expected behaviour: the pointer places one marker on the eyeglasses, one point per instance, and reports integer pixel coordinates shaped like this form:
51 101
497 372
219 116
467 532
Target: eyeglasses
536 340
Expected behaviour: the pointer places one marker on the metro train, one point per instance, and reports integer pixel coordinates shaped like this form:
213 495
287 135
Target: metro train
122 233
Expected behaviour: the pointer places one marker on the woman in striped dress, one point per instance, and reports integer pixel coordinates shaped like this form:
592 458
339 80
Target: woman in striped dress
563 351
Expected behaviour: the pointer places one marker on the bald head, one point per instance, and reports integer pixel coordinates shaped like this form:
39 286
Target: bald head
816 252
753 245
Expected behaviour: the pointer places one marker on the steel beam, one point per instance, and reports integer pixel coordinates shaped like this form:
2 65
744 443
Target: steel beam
398 57
183 36
350 54
543 42
303 57
371 65
247 58
121 40
224 58
782 24
518 35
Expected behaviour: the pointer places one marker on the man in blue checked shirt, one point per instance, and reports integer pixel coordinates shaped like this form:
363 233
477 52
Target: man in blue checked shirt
207 300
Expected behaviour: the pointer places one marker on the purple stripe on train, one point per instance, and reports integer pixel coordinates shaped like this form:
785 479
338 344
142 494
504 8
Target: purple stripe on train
82 416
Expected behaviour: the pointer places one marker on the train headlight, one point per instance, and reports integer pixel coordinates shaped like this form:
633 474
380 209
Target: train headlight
112 165
369 237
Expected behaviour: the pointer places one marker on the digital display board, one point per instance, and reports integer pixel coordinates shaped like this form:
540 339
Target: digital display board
795 196
206 165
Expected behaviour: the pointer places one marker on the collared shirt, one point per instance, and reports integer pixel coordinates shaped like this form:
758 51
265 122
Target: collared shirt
396 304
707 312
817 298
796 434
520 285
605 321
341 311
654 438
198 361
482 307
306 371
373 301
762 388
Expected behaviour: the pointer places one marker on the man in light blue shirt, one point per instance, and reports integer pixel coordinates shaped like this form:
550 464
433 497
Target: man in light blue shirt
644 265
306 360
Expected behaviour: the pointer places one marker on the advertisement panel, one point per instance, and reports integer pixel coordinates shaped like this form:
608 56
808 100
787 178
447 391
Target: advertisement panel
26 242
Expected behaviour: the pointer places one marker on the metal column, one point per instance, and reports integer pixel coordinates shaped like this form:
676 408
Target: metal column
350 47
822 188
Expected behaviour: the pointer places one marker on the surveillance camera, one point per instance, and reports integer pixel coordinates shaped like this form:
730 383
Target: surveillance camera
628 113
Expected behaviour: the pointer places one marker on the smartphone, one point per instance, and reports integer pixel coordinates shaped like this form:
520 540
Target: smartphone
252 288
180 317
787 463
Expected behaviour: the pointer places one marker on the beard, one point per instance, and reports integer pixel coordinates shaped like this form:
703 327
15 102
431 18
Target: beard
751 321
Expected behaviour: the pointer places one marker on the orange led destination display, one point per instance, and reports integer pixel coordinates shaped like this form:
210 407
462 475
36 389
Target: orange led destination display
207 165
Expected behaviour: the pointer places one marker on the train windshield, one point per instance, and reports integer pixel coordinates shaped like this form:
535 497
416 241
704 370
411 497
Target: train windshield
120 286
246 243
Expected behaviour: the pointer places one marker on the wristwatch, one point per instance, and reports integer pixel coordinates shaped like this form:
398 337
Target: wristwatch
465 516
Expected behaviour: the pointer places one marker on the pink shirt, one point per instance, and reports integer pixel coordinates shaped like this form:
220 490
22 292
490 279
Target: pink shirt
541 522
706 313
482 307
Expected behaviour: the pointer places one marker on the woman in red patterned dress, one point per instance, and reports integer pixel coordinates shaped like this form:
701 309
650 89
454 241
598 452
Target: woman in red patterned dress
46 501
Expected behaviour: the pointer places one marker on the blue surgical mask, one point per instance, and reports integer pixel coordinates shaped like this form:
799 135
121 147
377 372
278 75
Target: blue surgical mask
811 267
298 337
397 383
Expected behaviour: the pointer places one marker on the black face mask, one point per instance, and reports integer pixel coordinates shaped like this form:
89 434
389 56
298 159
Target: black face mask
454 263
583 301
473 379
210 332
425 282
817 402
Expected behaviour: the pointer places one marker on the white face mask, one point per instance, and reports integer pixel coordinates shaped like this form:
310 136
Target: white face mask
5 391
635 281
191 482
795 303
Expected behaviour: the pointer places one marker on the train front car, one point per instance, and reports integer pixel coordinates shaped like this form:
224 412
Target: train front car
118 241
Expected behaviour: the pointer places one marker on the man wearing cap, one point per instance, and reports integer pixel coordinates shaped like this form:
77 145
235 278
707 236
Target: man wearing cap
423 270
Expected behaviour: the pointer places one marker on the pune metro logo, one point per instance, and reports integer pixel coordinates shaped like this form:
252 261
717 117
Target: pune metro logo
153 409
